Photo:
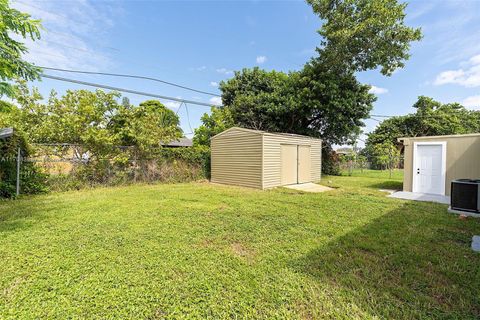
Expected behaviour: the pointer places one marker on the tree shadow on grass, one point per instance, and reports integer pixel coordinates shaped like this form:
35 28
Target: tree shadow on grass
387 184
23 213
413 262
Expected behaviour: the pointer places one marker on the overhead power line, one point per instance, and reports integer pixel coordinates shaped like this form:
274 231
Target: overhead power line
431 116
141 93
131 76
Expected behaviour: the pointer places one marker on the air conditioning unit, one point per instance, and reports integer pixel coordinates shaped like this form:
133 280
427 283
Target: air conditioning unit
465 195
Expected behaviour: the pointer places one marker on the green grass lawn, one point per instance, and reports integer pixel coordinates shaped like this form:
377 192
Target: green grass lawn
208 251
397 174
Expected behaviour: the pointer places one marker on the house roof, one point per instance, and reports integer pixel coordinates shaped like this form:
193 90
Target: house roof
6 132
264 133
182 142
439 137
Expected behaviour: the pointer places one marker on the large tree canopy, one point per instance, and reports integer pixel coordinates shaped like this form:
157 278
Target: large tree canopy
313 102
12 66
260 100
147 125
333 104
362 35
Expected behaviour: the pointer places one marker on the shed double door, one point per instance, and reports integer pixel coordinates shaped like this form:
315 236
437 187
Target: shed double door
295 164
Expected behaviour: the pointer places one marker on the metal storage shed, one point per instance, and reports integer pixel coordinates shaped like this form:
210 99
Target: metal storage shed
431 163
263 160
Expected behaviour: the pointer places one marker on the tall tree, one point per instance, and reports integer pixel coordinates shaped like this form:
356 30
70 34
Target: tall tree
313 102
12 65
260 99
151 124
360 35
217 121
335 103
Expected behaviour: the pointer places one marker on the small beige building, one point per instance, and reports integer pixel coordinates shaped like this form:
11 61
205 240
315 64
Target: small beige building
431 163
263 160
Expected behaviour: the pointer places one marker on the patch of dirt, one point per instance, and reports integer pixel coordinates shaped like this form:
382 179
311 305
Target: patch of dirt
206 243
222 207
9 291
243 252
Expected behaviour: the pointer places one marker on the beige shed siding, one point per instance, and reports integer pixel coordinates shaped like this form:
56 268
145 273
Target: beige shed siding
463 158
272 164
237 158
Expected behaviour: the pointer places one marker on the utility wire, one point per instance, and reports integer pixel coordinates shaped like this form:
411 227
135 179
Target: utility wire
188 117
178 109
147 94
433 116
130 76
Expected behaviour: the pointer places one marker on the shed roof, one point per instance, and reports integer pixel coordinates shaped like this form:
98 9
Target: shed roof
6 132
437 137
260 132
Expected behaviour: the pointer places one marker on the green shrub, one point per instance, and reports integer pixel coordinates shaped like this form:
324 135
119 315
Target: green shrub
330 162
32 179
167 165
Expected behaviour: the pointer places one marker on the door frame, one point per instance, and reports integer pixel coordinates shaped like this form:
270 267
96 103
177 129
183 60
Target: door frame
443 144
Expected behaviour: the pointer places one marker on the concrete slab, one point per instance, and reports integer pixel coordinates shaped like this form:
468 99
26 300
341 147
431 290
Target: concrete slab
476 243
464 213
420 197
389 191
309 187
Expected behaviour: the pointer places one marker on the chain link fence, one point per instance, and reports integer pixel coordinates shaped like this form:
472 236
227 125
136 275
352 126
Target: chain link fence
61 167
351 162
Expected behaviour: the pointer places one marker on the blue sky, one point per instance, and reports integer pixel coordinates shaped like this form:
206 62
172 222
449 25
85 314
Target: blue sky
200 43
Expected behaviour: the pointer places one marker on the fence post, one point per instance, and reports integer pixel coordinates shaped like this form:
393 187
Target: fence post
19 159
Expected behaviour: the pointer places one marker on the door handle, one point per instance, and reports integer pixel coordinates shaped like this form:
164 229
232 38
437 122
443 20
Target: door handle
418 171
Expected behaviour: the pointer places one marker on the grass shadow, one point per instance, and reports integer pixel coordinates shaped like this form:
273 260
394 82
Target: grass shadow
387 184
22 213
413 262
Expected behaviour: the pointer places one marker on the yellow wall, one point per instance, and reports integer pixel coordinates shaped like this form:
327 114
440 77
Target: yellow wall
237 158
463 158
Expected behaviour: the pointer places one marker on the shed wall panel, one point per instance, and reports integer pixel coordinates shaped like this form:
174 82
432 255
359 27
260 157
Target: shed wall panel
463 159
237 159
272 165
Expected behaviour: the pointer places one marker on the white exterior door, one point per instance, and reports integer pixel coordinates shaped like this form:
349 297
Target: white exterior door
429 168
289 164
304 165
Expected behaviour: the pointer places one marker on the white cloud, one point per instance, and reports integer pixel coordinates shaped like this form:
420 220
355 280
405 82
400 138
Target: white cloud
472 102
217 101
173 105
67 40
468 77
224 71
261 59
475 59
214 84
377 90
